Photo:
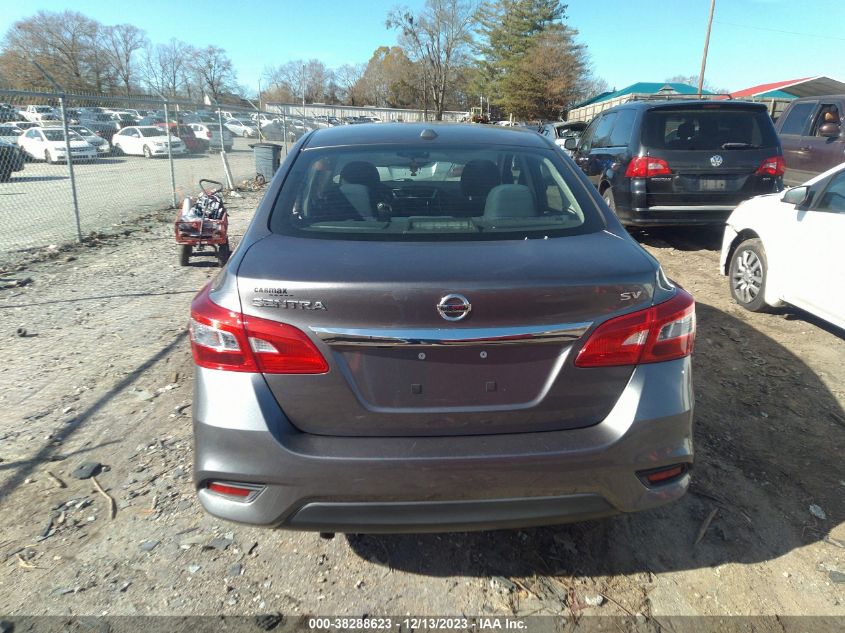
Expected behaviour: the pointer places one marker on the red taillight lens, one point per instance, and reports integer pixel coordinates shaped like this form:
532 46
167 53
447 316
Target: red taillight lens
208 134
663 475
231 341
229 490
662 332
646 166
774 166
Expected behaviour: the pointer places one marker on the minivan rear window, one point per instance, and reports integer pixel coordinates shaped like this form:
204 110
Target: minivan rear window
704 129
409 193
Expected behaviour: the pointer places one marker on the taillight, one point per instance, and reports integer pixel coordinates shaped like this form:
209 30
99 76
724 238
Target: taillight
774 166
646 166
231 341
663 475
208 134
659 333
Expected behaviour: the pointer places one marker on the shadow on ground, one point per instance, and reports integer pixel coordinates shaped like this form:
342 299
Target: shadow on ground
768 444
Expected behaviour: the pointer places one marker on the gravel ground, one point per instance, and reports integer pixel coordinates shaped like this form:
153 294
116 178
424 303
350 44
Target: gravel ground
103 374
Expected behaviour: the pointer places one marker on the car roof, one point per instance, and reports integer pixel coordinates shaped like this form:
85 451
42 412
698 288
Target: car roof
682 103
409 133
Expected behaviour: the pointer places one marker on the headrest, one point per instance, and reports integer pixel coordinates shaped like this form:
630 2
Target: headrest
510 201
479 177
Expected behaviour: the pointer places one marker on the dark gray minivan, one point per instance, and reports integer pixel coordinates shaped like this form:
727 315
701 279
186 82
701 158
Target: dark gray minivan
438 327
659 163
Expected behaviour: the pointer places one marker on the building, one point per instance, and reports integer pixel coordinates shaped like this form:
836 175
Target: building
586 110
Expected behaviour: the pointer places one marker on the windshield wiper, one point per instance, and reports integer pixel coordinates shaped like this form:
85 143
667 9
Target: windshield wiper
740 146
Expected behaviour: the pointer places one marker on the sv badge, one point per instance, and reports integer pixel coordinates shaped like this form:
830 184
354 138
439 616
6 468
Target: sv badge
627 296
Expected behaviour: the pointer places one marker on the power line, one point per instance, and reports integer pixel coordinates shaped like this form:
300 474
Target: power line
763 28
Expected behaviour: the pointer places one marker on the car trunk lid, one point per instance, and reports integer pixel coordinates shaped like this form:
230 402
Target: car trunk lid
398 368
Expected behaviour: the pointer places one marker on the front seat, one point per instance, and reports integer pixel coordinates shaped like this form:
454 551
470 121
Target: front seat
358 174
477 179
510 201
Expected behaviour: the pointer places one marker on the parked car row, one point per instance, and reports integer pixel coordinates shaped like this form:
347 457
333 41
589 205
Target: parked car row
659 163
45 140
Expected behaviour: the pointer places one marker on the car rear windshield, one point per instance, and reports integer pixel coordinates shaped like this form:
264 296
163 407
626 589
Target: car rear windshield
409 193
708 129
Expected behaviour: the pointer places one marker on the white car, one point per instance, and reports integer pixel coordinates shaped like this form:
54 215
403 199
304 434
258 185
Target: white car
210 133
40 113
784 248
48 144
145 140
103 146
241 128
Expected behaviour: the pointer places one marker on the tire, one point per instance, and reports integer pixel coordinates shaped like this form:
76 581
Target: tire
747 275
185 255
5 175
48 157
245 134
609 200
117 150
147 152
223 253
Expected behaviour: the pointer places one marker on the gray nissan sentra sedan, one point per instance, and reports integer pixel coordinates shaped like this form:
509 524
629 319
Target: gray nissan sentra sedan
438 327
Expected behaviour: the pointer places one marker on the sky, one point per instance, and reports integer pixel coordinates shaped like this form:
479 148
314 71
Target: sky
752 41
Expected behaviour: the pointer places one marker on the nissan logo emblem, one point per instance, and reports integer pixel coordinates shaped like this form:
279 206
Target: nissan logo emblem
454 307
716 160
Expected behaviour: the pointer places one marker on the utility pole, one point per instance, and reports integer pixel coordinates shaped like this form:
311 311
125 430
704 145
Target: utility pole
706 46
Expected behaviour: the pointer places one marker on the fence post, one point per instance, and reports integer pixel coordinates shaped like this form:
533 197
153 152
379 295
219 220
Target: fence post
69 158
285 131
170 155
70 167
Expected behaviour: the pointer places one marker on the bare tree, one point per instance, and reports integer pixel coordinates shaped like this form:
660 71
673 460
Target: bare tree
213 69
60 42
164 67
440 37
347 77
120 44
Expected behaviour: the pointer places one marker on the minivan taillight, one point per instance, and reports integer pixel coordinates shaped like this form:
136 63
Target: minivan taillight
646 166
232 341
662 332
774 166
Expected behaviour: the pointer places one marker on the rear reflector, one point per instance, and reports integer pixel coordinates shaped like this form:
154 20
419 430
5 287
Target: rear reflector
242 492
231 341
646 166
659 333
774 166
663 475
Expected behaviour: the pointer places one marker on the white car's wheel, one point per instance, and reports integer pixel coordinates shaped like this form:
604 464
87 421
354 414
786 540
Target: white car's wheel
48 157
747 275
147 152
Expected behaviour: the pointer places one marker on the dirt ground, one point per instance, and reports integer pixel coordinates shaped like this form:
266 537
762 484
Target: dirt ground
104 374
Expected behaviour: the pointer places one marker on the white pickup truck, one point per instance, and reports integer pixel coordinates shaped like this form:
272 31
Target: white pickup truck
36 113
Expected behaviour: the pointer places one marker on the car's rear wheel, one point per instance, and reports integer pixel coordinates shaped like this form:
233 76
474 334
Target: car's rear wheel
608 199
747 275
117 150
185 255
223 253
147 152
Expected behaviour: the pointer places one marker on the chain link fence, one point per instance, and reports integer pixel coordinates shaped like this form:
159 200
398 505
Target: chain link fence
121 159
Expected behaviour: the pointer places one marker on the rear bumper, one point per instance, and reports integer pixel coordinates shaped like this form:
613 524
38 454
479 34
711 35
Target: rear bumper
394 484
675 215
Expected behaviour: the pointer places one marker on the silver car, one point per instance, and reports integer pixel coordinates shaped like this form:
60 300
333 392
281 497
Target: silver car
435 328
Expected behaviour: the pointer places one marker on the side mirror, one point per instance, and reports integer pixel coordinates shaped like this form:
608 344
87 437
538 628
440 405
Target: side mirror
571 143
830 130
799 196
